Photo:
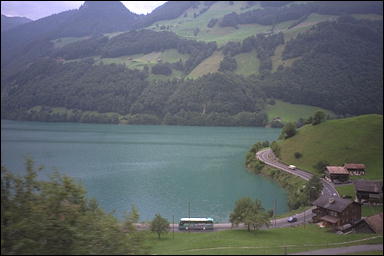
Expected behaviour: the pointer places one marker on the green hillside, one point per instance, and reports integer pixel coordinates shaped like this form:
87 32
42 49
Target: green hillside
209 65
191 19
292 112
354 140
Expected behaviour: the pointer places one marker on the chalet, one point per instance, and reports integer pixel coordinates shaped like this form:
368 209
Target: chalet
355 169
336 174
369 191
336 212
371 224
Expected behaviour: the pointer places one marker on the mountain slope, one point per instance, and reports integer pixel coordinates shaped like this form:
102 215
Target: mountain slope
8 23
323 60
350 140
93 17
337 61
97 17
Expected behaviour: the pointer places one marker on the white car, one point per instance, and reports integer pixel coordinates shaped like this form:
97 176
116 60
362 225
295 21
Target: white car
292 219
292 167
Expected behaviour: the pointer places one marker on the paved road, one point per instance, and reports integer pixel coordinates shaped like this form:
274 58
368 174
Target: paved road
269 158
279 223
342 250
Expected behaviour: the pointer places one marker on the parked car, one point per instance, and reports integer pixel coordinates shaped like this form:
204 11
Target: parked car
292 219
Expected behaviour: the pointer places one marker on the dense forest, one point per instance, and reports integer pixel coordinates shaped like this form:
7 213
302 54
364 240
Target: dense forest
214 99
340 68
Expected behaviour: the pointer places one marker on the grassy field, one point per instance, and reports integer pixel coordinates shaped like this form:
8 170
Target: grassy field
291 112
368 16
209 65
60 42
369 210
185 25
365 253
247 63
242 242
350 140
138 61
347 190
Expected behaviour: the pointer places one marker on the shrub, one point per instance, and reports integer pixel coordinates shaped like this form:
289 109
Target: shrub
298 155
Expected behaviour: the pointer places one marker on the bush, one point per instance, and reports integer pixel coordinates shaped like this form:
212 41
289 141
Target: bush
298 155
289 130
318 118
161 69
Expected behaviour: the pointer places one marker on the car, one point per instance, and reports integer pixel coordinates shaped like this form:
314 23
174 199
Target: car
292 167
292 219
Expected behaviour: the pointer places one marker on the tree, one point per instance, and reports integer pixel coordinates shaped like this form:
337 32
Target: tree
318 118
228 64
289 130
131 218
320 165
298 155
55 217
159 225
249 212
313 188
275 148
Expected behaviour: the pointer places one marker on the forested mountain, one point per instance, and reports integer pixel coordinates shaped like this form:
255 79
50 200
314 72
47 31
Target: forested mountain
194 63
341 68
8 23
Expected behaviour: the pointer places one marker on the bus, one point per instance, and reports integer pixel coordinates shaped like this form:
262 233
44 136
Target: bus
196 224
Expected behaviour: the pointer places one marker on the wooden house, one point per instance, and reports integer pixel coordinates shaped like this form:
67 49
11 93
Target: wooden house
369 191
355 169
371 224
336 174
336 212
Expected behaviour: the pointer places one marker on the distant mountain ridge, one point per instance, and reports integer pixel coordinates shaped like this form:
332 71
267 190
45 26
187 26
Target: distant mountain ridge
93 17
8 23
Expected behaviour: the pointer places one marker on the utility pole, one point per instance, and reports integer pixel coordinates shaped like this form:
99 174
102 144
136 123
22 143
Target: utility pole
304 217
173 227
274 213
189 214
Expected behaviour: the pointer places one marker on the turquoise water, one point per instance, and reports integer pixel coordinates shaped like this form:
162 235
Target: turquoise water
157 168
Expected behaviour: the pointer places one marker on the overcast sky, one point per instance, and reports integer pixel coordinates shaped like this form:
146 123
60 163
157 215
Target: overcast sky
38 9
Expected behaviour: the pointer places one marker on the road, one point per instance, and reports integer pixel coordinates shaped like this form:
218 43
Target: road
269 158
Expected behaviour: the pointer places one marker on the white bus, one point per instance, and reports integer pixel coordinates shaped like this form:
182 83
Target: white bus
196 224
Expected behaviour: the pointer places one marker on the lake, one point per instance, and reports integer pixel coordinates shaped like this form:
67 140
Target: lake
159 169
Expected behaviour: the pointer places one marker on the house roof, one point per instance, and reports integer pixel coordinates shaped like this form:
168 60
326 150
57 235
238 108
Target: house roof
375 222
368 186
337 170
335 204
354 166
